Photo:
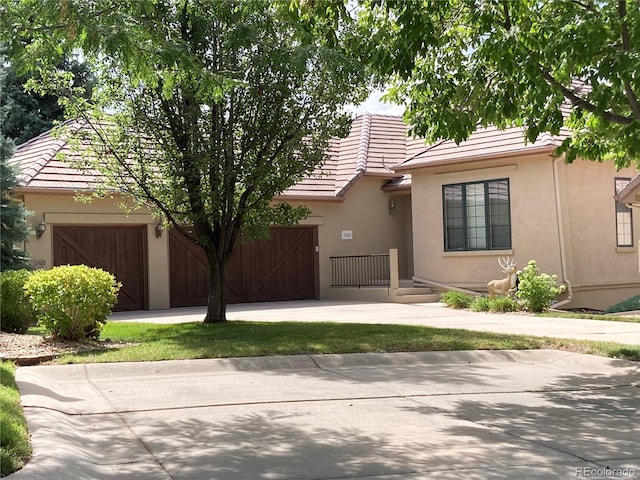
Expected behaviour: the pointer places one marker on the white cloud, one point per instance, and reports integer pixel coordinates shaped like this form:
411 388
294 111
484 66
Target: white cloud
373 104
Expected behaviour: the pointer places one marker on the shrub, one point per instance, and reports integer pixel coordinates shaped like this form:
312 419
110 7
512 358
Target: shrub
503 304
16 314
455 299
627 305
537 290
72 302
481 304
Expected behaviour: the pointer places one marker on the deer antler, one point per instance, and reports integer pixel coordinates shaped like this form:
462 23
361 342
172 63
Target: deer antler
506 263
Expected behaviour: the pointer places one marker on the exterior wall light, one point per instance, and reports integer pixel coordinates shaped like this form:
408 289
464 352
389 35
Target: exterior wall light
392 206
41 228
159 229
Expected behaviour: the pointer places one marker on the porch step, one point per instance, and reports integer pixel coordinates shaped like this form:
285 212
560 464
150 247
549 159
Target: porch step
416 294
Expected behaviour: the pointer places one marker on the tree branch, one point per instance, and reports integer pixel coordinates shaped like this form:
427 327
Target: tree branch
626 47
578 101
588 7
507 17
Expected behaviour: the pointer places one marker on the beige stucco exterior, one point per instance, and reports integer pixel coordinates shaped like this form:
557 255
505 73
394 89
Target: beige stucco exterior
364 212
64 209
563 216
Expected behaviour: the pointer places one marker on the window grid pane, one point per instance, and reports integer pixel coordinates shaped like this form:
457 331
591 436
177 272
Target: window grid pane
624 219
499 214
477 215
454 218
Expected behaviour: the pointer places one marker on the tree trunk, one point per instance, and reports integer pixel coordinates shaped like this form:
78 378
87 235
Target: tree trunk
217 304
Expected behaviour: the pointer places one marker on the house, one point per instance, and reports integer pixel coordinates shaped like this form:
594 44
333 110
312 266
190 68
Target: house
384 207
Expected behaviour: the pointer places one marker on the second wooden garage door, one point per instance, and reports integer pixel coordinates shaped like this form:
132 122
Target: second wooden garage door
282 267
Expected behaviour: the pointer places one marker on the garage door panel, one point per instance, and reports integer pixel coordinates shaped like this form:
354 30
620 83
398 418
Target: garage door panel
282 267
120 250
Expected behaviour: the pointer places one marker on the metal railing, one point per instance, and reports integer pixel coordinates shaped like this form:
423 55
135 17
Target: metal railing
360 271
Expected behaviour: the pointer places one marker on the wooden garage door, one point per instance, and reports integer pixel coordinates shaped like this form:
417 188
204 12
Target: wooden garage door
119 250
282 267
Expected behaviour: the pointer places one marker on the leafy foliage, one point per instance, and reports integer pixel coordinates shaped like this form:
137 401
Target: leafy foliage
13 227
25 114
458 64
537 290
627 305
16 314
503 304
455 299
481 304
227 105
72 302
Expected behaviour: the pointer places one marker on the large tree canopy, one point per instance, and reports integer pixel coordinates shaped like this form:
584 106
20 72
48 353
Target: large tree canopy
25 114
459 64
215 106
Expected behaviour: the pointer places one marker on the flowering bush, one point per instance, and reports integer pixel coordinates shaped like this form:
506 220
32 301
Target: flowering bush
537 290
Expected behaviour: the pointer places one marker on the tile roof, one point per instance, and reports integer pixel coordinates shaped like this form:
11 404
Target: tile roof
483 144
377 145
44 162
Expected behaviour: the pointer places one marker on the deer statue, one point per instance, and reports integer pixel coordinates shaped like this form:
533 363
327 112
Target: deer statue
506 286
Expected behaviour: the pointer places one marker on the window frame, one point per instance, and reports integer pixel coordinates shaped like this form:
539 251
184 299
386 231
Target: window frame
489 237
620 207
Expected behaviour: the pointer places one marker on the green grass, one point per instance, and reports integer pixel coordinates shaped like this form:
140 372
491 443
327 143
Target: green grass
15 448
588 316
249 339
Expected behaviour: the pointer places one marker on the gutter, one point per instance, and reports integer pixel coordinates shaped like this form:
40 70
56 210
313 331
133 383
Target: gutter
563 252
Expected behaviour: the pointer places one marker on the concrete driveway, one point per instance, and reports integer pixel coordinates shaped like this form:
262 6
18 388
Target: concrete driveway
444 415
431 314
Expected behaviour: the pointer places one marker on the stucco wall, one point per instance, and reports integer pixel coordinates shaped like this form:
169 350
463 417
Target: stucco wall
586 210
533 221
364 213
601 273
63 209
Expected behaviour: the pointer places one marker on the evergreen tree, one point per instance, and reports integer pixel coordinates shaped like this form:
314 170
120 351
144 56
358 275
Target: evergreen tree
14 229
27 114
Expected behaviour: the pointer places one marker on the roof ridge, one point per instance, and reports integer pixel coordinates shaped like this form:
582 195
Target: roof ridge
363 144
30 171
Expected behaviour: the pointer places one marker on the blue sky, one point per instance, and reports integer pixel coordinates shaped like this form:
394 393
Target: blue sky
373 104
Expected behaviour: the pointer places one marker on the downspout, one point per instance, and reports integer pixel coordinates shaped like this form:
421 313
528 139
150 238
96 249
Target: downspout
563 255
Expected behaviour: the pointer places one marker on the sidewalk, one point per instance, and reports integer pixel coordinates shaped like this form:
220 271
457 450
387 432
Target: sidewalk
431 415
430 314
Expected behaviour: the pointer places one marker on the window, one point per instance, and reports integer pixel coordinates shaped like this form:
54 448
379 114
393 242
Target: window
624 223
477 216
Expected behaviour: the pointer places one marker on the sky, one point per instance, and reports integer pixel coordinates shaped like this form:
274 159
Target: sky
373 104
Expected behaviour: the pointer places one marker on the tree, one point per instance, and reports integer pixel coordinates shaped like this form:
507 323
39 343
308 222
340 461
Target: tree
13 226
215 108
27 114
460 64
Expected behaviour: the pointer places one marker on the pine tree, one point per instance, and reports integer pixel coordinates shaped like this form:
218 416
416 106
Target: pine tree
14 229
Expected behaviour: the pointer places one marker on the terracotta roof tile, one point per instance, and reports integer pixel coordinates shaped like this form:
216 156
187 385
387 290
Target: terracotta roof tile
482 144
376 145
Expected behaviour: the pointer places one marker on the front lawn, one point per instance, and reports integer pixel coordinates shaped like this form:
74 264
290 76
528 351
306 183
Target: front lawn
250 339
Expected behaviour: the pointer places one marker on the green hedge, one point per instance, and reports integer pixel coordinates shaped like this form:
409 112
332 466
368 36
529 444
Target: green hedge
72 302
16 313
